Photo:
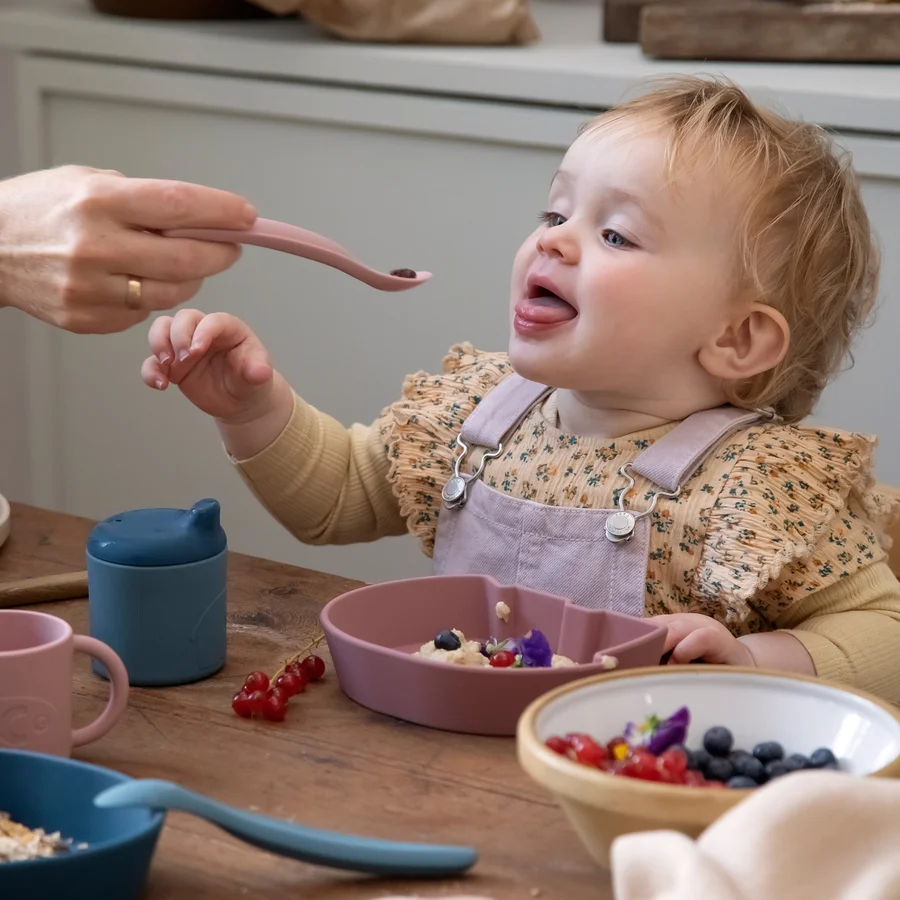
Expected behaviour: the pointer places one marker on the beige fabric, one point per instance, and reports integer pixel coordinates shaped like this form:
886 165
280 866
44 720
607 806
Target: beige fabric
808 836
417 21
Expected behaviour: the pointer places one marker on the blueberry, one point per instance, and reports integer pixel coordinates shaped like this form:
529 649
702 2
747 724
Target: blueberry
768 751
748 767
741 781
776 769
718 769
822 758
736 756
718 741
447 640
796 761
698 759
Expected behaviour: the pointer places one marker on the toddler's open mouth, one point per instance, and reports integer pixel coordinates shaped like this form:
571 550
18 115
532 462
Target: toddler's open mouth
543 305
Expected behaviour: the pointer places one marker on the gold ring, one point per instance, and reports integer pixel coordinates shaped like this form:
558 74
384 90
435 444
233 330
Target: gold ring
133 298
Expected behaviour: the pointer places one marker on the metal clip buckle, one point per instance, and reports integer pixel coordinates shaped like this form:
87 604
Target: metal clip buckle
620 525
456 491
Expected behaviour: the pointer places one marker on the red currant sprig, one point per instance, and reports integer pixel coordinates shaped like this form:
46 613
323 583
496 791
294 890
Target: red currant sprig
262 697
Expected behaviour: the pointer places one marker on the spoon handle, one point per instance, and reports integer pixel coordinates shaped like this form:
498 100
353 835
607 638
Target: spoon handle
312 845
302 242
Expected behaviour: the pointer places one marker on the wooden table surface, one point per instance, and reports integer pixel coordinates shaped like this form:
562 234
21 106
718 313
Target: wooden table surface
330 764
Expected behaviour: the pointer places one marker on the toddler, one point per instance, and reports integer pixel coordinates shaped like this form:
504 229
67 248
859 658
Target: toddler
697 278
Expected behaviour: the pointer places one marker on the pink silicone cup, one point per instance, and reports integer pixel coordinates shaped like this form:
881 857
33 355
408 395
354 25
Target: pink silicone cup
373 631
301 242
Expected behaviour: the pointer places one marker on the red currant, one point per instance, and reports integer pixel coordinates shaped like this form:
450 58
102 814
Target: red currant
240 703
256 681
290 683
558 745
587 750
256 701
296 668
672 765
275 706
315 667
503 659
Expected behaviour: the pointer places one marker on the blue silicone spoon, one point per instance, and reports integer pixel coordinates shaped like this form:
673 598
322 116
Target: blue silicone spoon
312 845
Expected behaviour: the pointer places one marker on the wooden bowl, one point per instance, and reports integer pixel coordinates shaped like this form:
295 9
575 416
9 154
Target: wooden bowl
801 713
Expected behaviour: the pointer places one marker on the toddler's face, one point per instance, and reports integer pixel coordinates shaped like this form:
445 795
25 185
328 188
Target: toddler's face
627 276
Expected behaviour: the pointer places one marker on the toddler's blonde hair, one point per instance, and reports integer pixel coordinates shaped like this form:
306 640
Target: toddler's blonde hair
805 244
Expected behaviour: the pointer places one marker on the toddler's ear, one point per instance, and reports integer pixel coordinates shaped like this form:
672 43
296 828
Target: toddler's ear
753 342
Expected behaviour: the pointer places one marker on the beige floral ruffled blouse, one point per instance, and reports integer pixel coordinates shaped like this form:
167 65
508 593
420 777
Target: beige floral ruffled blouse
777 512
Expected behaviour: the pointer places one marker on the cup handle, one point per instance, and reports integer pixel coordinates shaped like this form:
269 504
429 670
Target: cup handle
118 683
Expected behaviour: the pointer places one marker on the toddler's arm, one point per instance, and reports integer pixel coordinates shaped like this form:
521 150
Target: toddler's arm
323 482
848 632
851 630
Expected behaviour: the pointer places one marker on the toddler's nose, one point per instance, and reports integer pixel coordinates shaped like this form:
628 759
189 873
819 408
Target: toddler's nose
560 242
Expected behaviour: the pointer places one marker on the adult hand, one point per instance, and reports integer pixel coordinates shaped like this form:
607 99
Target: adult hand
72 237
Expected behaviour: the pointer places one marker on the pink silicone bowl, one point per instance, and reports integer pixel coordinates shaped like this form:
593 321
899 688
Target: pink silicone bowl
373 631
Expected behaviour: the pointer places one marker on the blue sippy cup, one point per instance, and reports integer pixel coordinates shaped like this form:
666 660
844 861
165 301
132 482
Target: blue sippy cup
156 581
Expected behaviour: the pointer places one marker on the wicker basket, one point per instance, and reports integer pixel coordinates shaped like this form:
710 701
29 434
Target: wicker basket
181 9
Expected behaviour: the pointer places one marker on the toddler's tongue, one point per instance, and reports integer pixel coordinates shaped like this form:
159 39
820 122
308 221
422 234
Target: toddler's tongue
547 309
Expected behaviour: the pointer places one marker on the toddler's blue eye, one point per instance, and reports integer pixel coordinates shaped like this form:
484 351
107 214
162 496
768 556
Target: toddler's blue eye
614 239
551 218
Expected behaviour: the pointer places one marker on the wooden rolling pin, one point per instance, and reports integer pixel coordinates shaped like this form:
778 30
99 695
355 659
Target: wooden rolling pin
68 586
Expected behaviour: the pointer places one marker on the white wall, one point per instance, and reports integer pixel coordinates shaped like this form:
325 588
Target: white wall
13 446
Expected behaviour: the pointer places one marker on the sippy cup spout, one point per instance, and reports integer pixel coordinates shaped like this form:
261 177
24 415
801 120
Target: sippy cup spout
203 516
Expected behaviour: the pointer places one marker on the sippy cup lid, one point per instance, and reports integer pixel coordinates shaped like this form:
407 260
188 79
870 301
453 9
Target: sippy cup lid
159 537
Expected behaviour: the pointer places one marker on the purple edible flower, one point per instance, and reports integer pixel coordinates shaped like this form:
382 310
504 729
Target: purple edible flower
535 650
670 732
658 734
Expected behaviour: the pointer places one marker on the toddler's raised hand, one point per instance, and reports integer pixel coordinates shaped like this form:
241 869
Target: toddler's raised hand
216 360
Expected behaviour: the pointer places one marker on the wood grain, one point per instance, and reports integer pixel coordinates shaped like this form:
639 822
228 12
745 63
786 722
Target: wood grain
769 31
44 588
331 764
622 18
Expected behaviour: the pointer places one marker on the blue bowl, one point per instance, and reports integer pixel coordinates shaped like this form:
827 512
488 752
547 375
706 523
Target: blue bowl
57 794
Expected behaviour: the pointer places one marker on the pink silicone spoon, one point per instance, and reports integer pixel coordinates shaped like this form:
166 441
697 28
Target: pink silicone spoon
308 244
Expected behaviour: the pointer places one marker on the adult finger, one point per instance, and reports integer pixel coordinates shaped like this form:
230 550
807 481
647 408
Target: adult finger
160 204
95 320
154 295
154 256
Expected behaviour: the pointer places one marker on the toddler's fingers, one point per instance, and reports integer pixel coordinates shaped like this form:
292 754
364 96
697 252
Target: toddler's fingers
153 374
676 632
160 341
221 331
184 324
704 643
